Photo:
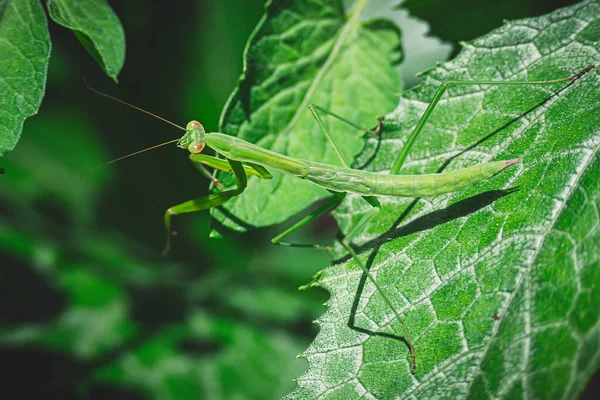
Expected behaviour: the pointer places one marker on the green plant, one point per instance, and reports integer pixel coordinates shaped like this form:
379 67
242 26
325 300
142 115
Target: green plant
499 289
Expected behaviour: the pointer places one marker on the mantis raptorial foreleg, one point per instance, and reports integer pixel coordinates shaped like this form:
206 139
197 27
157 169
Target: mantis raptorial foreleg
206 202
221 164
199 164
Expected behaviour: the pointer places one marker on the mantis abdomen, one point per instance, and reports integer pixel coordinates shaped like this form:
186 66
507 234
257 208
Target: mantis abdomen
366 183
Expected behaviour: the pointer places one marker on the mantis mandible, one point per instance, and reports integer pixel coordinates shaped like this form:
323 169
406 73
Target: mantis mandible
243 158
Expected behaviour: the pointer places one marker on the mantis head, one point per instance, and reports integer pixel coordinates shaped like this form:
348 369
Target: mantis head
194 138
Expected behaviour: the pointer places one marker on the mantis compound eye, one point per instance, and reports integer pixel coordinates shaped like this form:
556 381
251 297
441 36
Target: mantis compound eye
194 125
196 147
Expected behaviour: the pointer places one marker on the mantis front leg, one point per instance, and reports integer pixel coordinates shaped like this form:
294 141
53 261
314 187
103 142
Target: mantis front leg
200 160
206 202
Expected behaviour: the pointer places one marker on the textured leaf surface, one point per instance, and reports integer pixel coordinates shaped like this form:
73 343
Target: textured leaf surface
24 54
500 289
306 52
97 27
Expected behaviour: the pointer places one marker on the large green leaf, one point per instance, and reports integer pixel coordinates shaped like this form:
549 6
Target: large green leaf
97 27
500 288
306 52
24 55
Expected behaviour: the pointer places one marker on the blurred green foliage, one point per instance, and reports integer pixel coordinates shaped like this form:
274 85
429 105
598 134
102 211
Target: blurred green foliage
89 309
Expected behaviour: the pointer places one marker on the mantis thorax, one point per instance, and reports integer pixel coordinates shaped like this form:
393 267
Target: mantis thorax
194 138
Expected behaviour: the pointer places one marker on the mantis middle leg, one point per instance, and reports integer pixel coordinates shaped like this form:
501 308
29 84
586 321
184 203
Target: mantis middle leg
314 109
338 197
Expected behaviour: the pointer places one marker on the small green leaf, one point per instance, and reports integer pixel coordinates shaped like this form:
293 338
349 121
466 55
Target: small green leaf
307 52
499 289
97 27
24 53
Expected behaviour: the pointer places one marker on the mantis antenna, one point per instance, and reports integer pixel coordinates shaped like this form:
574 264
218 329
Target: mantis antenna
132 106
136 108
128 155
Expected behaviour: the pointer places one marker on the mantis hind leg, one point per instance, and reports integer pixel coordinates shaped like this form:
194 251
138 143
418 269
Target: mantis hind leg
444 87
347 243
337 199
364 221
206 202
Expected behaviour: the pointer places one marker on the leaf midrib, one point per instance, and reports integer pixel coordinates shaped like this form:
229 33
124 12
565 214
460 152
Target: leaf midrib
350 27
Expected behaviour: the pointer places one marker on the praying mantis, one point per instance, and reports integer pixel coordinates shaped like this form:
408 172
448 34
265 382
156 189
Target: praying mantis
244 159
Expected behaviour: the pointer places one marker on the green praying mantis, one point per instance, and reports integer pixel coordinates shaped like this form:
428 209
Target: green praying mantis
245 159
